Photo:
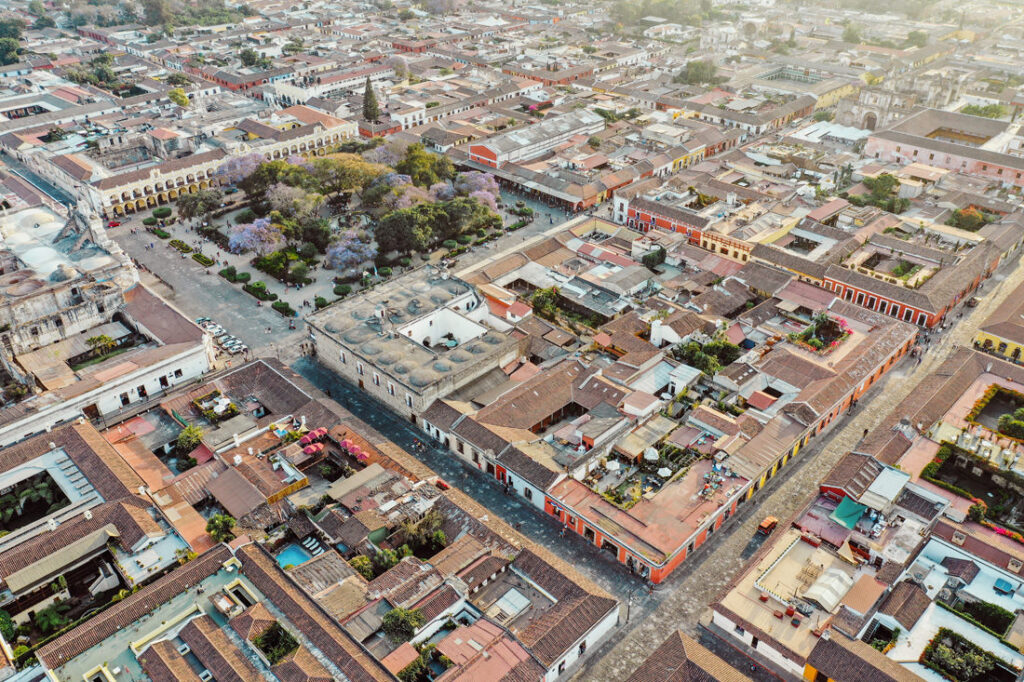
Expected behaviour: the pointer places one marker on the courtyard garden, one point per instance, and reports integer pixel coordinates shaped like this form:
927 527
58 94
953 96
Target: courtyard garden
1000 409
823 335
957 658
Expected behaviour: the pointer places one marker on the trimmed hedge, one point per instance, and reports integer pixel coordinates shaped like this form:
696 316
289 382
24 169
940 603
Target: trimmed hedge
320 302
463 239
202 259
405 261
163 234
283 308
180 246
343 290
259 290
243 277
229 273
449 243
149 221
162 212
516 225
384 272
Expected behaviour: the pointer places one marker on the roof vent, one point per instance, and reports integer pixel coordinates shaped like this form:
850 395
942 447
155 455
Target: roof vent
51 524
238 460
87 514
53 446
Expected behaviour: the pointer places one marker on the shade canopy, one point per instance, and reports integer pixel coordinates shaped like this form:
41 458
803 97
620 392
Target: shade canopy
848 513
613 465
664 472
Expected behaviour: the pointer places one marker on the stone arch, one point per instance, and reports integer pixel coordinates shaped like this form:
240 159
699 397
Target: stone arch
150 201
140 204
870 120
192 189
172 194
162 197
203 184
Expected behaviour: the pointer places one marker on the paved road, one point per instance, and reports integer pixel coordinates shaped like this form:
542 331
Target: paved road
606 572
198 294
699 581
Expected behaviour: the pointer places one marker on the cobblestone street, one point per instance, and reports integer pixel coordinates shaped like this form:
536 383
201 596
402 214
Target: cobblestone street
698 582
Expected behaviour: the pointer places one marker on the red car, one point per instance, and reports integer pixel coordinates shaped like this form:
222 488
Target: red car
113 223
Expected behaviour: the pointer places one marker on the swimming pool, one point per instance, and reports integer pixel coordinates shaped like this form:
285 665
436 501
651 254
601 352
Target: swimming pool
293 555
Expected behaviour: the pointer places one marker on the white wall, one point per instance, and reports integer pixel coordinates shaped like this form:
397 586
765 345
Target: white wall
107 398
592 638
763 648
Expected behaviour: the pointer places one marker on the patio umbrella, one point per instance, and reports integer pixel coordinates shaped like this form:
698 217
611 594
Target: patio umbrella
664 472
613 465
306 440
319 433
313 449
347 444
651 455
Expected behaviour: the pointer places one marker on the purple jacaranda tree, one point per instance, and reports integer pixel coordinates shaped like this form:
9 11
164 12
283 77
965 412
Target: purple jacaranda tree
238 168
350 250
485 198
474 181
259 236
442 191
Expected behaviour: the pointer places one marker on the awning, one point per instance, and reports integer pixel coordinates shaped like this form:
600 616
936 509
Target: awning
848 513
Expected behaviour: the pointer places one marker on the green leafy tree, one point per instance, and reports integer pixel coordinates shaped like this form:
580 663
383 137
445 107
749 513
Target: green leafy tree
249 56
7 627
371 110
697 72
200 204
545 302
11 28
189 438
407 229
52 618
985 110
851 34
917 38
100 344
177 78
401 624
220 527
156 12
9 48
178 96
362 565
425 168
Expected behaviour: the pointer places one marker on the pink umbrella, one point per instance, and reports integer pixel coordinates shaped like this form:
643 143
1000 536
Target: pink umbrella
306 440
313 449
347 444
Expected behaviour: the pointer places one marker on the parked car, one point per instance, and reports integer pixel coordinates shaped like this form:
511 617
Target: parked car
767 526
113 223
202 320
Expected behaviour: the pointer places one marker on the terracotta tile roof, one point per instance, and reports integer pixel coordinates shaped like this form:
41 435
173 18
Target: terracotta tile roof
165 168
301 666
435 603
965 569
854 661
159 319
163 663
124 613
322 572
319 628
129 516
906 603
576 613
405 582
217 652
682 659
457 555
482 569
234 490
252 622
854 473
